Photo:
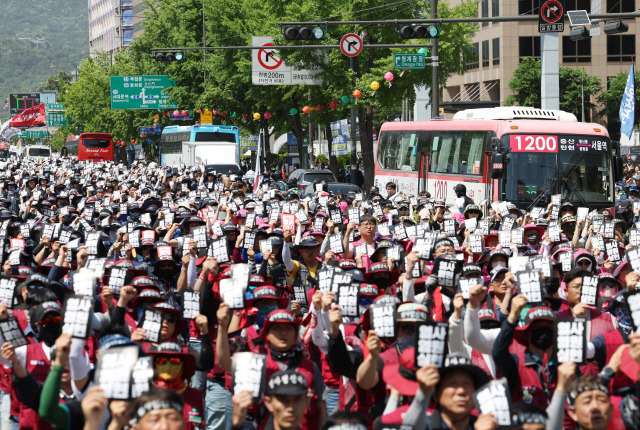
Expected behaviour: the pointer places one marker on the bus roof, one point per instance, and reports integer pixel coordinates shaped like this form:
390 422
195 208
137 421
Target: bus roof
502 127
208 127
105 135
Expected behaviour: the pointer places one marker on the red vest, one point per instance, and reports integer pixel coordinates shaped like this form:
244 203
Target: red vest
38 365
21 316
531 389
305 368
193 409
438 311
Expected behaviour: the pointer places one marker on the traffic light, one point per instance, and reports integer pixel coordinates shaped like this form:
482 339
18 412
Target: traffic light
304 33
579 34
169 56
417 31
616 27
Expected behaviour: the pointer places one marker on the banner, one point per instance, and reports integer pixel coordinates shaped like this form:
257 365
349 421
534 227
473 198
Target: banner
258 169
253 142
340 136
29 117
628 105
7 132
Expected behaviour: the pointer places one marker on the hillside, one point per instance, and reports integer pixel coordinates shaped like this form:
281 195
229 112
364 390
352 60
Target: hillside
37 39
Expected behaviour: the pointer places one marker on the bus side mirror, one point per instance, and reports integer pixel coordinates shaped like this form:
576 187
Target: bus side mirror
618 168
497 166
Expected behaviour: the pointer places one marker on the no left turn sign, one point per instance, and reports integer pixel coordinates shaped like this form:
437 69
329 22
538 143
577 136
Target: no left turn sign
351 45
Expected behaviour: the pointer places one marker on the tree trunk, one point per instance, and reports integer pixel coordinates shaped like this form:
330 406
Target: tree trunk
365 116
298 130
333 160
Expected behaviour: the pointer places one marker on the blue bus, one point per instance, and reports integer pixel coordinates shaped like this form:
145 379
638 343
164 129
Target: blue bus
173 136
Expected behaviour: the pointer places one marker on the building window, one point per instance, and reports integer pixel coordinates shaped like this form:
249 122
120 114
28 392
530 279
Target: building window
485 11
496 51
528 7
621 47
485 53
577 5
619 6
495 7
529 46
576 52
472 56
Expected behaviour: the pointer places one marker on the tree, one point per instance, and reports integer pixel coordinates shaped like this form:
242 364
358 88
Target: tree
610 101
526 83
59 82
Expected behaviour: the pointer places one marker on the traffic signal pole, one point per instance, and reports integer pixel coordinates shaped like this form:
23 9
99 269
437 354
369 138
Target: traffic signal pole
435 82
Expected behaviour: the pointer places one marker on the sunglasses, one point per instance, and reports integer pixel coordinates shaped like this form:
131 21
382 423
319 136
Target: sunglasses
163 360
49 320
170 318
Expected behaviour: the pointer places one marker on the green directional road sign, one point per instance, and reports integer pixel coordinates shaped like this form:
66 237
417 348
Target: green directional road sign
408 61
141 92
34 134
56 119
55 107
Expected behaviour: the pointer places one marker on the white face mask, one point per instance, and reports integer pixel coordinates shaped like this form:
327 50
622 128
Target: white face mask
498 263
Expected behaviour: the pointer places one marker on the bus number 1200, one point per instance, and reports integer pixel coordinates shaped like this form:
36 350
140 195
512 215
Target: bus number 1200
533 143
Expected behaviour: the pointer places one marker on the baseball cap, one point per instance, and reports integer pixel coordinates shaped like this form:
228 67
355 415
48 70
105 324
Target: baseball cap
287 383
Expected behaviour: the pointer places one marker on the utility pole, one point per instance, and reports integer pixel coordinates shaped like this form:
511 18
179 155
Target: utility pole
435 83
352 122
204 51
310 127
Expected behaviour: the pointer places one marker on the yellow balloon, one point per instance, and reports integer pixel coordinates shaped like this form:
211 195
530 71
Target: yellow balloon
256 116
375 85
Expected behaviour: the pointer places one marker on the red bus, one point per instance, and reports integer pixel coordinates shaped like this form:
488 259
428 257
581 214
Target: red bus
90 146
510 154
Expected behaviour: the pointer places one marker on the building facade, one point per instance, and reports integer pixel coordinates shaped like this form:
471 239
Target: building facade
110 25
500 46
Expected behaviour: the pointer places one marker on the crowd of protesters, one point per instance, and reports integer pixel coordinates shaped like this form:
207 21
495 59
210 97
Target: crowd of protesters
142 298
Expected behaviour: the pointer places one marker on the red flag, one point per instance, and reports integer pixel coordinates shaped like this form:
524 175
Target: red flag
29 117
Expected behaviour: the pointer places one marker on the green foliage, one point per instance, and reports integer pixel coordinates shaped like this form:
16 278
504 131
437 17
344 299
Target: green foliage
322 159
527 91
610 101
38 38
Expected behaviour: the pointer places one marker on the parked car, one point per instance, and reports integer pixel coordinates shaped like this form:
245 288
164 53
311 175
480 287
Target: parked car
307 176
334 188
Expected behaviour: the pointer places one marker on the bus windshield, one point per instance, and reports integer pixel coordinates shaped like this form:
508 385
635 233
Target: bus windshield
577 174
39 152
96 143
214 136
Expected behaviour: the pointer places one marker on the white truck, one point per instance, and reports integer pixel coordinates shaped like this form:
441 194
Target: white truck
218 153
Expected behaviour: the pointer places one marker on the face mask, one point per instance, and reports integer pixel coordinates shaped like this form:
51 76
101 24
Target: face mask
405 342
533 239
380 282
49 334
134 216
498 263
542 338
263 313
552 285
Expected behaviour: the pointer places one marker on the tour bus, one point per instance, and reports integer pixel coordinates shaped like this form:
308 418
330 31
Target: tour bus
90 146
173 137
513 154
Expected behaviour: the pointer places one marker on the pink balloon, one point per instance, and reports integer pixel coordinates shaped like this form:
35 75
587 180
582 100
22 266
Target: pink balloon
267 115
388 76
176 113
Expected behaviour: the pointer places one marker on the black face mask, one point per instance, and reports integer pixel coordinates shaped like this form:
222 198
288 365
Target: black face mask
49 334
134 216
542 337
380 282
552 285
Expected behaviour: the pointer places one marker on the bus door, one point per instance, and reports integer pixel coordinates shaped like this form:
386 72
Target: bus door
423 173
492 186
